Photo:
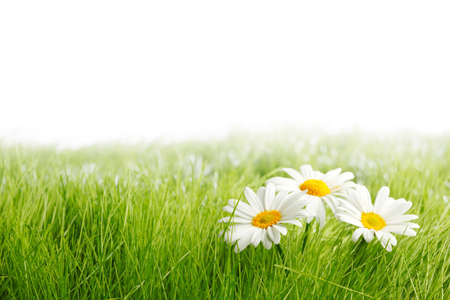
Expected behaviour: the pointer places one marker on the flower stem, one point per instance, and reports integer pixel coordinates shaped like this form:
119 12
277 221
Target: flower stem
280 252
305 236
283 258
358 255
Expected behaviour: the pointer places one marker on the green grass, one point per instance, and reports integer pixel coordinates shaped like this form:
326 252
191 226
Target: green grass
141 221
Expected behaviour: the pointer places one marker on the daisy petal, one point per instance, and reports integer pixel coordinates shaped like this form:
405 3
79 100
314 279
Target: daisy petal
364 200
403 229
400 219
243 242
380 200
294 174
331 175
295 198
279 199
357 234
294 222
257 236
350 208
267 243
274 234
238 231
331 202
243 207
281 229
306 171
346 211
224 220
346 176
368 235
253 199
349 219
321 214
284 184
261 193
237 212
396 208
269 196
386 239
235 220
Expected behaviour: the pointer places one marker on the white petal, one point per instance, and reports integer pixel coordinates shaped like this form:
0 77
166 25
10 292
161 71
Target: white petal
345 211
303 214
237 212
365 200
261 193
391 238
338 183
267 243
238 231
396 208
243 207
269 196
245 210
296 213
257 236
331 202
316 209
357 233
352 200
242 210
235 220
380 200
368 235
224 220
413 225
274 234
346 176
404 229
311 204
284 184
348 206
279 199
294 222
386 239
400 219
331 176
244 241
403 206
348 219
339 190
293 199
306 171
253 199
281 229
294 174
321 214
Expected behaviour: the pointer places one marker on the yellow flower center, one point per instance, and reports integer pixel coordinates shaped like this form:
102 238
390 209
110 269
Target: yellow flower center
372 220
266 218
315 187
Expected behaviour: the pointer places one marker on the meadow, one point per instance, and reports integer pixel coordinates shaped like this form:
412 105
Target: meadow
141 221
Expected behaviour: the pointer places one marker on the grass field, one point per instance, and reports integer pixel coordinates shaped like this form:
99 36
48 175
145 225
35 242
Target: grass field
133 222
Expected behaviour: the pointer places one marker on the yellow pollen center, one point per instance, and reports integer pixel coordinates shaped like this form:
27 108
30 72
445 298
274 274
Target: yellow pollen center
266 218
315 187
372 220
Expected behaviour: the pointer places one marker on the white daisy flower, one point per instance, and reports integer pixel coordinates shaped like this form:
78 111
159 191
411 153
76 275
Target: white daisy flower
262 219
382 219
320 188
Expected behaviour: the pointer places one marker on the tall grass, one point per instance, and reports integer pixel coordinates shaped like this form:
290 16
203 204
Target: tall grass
141 221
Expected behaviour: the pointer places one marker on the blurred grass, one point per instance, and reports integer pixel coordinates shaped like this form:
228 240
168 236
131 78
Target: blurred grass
140 221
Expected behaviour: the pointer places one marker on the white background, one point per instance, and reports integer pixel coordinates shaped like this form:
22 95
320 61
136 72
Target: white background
78 72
